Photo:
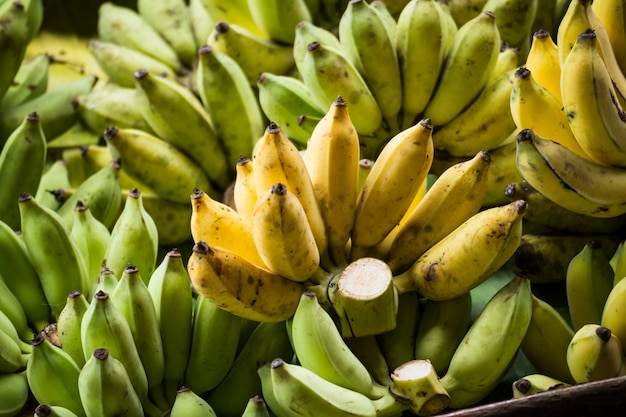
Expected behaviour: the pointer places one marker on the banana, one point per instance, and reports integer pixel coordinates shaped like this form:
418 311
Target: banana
283 235
320 348
543 62
552 122
459 82
547 215
545 257
490 344
368 351
573 182
53 375
275 160
268 340
616 262
45 410
171 219
254 54
177 116
14 393
266 14
464 10
53 252
68 326
105 387
307 32
514 20
284 100
111 105
329 73
508 60
223 277
134 238
441 328
21 278
332 158
421 43
30 81
92 238
387 13
265 376
172 21
298 390
220 225
590 102
22 162
107 281
132 297
244 189
188 403
613 311
371 47
397 175
488 238
13 312
398 345
168 172
236 11
546 340
226 94
101 191
502 171
55 176
171 293
535 383
256 407
588 282
456 195
214 340
124 26
594 354
201 20
105 326
14 39
483 125
612 16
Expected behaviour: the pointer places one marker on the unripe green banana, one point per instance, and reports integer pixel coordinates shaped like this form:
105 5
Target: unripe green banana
53 375
124 26
214 341
30 81
55 108
172 21
307 32
268 340
514 20
14 393
226 94
534 383
7 326
256 407
594 353
104 326
398 345
132 297
16 35
172 219
53 251
45 410
170 288
588 282
188 403
371 47
69 324
21 278
329 73
460 83
178 117
11 357
441 328
134 239
106 389
508 60
22 162
546 340
490 344
55 177
11 308
319 347
267 14
265 376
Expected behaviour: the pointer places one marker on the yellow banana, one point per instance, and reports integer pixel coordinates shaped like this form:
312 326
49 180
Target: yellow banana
224 278
390 187
613 311
244 190
488 239
508 59
543 62
502 171
594 354
534 383
612 15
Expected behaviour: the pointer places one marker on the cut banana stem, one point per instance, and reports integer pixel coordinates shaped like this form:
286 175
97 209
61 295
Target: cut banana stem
365 299
417 383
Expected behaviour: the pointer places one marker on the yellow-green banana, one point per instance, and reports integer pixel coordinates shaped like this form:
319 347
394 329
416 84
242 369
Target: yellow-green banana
594 353
398 345
55 176
69 323
613 311
534 383
14 393
189 403
30 81
267 15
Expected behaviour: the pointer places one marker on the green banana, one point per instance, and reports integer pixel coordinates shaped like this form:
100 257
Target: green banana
53 375
55 177
134 239
368 351
22 162
12 359
107 280
30 81
214 341
46 410
514 20
256 407
14 393
14 38
53 251
307 32
188 403
614 309
534 383
105 387
69 324
11 308
490 344
266 14
172 219
398 345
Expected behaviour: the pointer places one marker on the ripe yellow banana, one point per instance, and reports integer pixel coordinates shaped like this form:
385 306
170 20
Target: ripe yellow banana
543 62
466 256
244 189
391 185
612 15
594 354
224 278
